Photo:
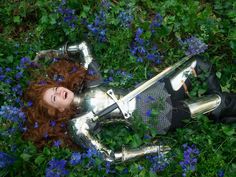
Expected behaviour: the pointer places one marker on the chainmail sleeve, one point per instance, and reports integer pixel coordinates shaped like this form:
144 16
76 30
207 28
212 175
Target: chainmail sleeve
155 107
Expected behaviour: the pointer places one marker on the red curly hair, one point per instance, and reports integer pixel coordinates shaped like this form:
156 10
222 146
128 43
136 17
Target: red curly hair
46 124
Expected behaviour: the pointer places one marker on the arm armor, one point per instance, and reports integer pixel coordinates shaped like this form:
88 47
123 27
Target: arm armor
76 52
80 132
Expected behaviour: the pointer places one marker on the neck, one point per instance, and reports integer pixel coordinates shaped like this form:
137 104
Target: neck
76 101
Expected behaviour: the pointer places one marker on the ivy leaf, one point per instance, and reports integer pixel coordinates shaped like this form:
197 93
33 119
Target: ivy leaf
25 157
39 159
228 130
17 19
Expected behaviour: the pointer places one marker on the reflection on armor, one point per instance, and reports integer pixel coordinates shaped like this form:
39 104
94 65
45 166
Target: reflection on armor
203 104
180 77
97 99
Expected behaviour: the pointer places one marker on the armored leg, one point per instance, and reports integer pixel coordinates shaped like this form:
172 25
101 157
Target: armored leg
179 83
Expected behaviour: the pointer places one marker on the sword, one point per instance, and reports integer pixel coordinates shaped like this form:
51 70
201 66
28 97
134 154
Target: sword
137 91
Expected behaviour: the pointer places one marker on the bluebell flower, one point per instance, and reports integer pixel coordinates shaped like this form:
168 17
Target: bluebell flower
57 143
148 112
74 69
56 168
36 125
157 21
125 171
29 103
194 46
139 59
144 49
58 78
140 167
91 72
45 135
19 75
125 18
220 173
69 17
108 168
42 82
5 160
52 123
12 113
190 159
75 158
98 27
158 162
24 60
8 69
2 77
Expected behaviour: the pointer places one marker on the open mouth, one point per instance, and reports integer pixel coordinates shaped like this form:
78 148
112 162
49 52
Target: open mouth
65 95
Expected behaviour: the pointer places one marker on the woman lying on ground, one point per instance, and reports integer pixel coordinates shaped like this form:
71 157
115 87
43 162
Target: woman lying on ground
65 100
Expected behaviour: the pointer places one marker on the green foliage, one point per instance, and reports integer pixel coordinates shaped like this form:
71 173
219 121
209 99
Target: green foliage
30 26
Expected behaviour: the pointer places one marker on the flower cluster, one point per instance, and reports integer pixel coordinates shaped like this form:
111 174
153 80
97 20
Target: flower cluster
156 22
125 76
98 27
69 17
5 160
194 46
75 158
190 159
56 168
143 49
125 18
12 113
159 162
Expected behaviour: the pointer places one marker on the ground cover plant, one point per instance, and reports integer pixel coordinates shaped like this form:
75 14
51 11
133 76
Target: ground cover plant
132 40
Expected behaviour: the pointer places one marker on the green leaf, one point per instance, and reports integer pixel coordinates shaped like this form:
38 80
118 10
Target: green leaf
39 159
25 156
17 19
228 130
218 74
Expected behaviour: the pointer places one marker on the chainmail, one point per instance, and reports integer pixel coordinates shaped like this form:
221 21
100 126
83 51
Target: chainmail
150 97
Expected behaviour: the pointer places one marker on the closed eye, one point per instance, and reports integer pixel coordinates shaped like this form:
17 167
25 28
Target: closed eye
54 99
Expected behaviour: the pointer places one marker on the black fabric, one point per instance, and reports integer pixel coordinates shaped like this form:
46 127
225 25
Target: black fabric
226 111
179 113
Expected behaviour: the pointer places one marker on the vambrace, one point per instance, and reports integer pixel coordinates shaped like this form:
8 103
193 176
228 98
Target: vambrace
72 52
79 129
202 105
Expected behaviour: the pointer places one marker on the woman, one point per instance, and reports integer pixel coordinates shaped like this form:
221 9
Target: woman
72 93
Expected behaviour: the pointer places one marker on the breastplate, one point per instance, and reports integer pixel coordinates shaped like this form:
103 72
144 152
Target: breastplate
96 99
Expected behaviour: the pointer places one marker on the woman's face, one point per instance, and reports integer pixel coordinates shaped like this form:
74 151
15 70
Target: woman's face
58 97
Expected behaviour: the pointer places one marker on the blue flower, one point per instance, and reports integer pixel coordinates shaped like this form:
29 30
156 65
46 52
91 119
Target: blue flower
148 112
36 125
8 69
57 143
52 123
11 113
194 46
75 158
56 168
157 21
220 173
125 18
190 159
5 160
158 162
